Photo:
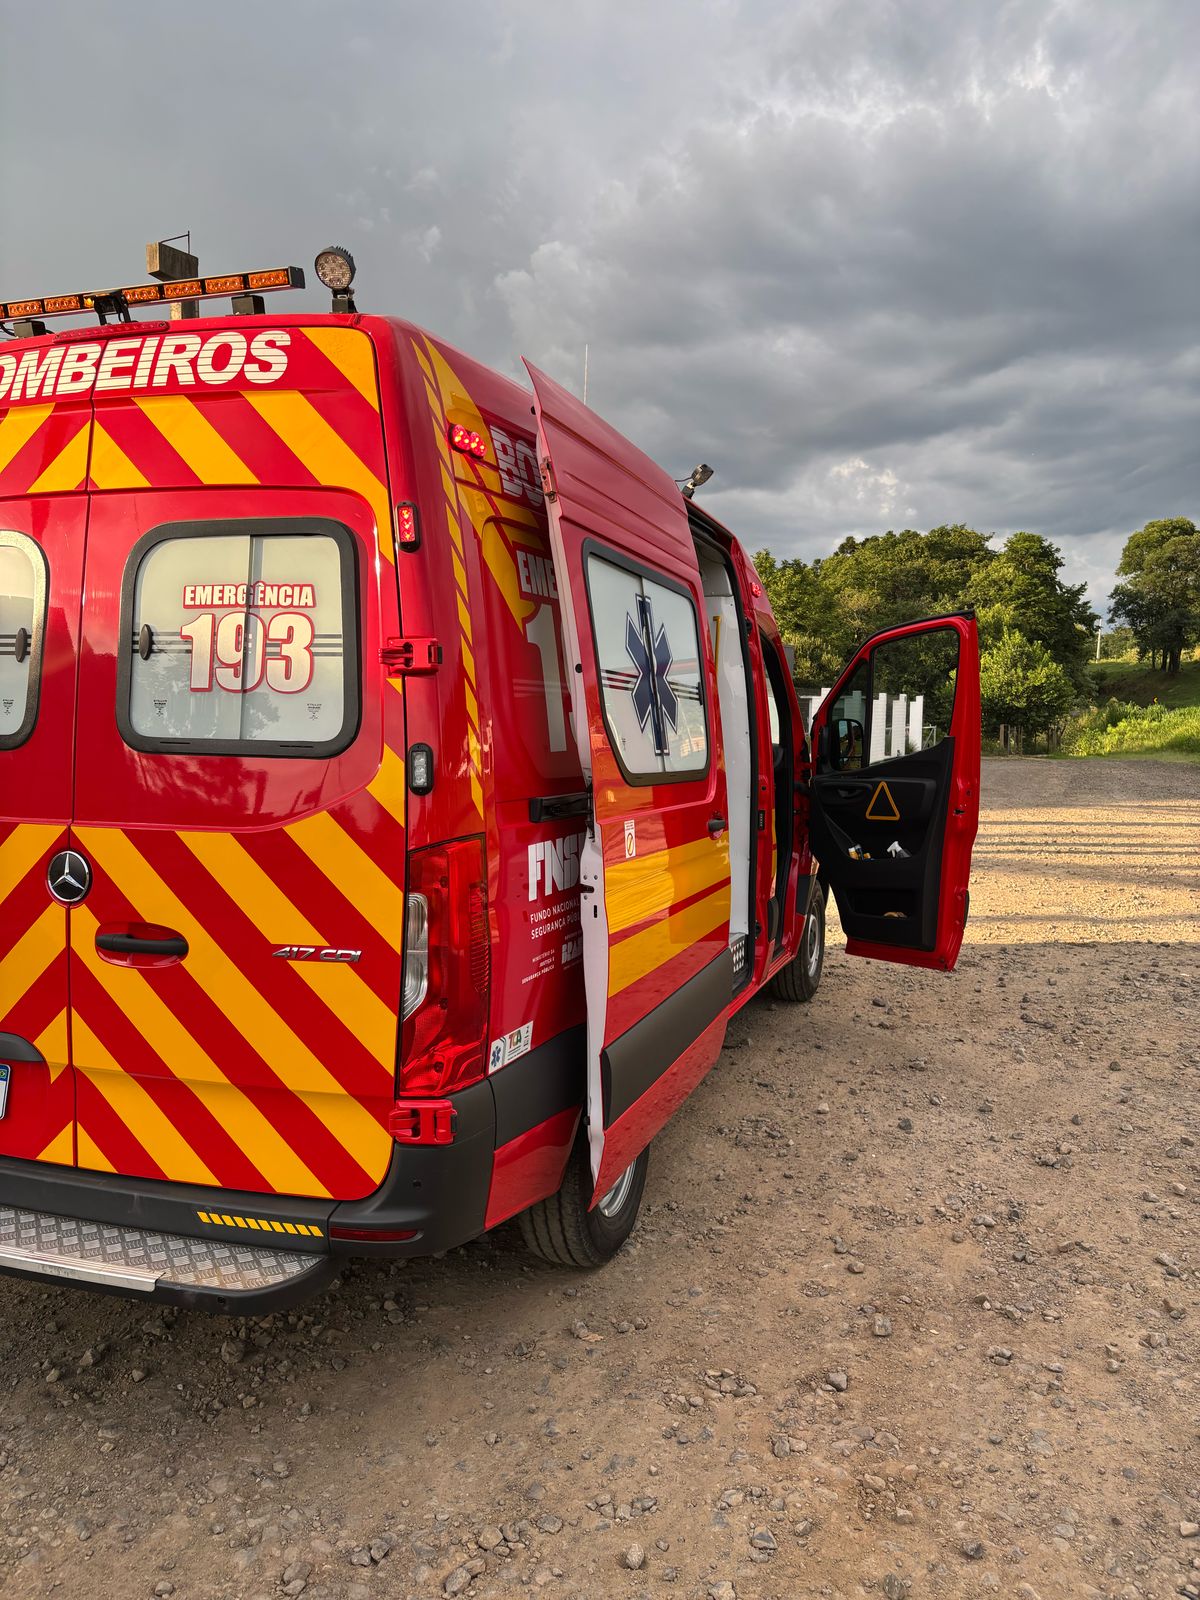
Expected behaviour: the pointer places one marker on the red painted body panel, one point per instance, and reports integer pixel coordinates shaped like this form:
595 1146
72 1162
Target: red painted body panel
531 1166
626 1138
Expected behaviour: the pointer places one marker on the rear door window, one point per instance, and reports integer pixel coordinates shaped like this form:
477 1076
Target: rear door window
22 621
239 637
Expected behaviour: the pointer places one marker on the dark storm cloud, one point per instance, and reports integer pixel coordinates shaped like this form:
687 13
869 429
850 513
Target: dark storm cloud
882 263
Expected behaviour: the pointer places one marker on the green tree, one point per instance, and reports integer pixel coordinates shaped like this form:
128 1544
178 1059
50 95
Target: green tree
1021 685
1020 591
1117 644
1160 600
897 577
807 616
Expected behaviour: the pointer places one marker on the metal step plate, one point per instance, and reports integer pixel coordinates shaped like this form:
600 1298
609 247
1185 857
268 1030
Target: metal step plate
139 1260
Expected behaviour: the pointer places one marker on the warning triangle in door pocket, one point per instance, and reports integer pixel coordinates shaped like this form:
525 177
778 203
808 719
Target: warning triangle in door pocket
879 800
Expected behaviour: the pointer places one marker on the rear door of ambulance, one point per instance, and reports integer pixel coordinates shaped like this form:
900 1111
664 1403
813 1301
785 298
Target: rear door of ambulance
43 519
239 797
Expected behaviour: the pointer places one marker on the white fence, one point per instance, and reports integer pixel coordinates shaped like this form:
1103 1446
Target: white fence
896 728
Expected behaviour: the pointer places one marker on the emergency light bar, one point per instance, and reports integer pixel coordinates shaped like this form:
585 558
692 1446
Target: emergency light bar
111 302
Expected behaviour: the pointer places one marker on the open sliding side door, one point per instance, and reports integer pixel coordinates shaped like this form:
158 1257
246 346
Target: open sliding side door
654 868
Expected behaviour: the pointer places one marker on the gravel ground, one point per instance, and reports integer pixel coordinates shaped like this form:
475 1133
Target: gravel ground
912 1310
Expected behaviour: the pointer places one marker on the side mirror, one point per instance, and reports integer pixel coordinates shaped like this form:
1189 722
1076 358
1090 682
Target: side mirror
847 745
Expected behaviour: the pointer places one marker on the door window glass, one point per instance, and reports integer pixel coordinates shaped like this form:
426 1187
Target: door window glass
238 639
22 620
912 686
651 684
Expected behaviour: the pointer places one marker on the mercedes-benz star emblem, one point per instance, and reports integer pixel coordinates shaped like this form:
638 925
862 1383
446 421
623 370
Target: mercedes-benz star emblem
69 877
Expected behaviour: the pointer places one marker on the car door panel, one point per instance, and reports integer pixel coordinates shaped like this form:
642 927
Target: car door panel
894 836
654 865
41 559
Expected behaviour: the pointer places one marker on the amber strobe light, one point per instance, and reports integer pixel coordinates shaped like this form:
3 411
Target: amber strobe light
144 294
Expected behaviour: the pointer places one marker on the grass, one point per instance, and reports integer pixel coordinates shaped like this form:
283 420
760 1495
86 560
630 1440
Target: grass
1133 681
1121 728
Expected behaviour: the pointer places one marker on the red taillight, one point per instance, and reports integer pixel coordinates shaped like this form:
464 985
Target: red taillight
408 532
466 440
444 1041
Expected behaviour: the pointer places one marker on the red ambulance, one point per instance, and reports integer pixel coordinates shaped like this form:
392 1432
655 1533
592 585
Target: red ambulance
401 785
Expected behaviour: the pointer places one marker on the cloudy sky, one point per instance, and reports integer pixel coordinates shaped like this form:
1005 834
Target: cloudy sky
883 263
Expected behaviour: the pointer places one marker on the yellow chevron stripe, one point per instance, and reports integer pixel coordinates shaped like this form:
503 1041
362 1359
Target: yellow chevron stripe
423 360
111 468
347 865
500 563
183 1055
68 469
458 559
337 983
325 453
21 850
645 886
31 955
264 1029
351 353
18 426
641 953
460 576
387 786
189 432
137 1109
53 1045
61 1149
89 1154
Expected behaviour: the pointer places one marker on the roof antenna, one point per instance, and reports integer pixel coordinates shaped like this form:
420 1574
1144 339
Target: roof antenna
585 372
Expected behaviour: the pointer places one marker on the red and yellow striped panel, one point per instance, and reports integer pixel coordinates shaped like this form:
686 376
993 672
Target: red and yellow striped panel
39 1119
323 430
236 1067
44 448
667 911
450 510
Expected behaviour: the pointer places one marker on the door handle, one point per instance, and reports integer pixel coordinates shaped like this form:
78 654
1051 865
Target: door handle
140 944
716 825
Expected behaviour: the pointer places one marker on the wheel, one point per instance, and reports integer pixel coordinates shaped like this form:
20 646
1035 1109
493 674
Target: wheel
563 1231
801 978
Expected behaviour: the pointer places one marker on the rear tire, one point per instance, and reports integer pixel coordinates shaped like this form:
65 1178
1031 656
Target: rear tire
564 1232
801 978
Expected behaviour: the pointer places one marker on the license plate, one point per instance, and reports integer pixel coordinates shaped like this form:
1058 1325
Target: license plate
5 1074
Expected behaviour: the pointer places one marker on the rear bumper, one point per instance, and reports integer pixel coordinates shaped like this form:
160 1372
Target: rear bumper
233 1251
248 1253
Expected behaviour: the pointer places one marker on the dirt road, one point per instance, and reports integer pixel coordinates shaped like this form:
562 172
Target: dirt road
913 1310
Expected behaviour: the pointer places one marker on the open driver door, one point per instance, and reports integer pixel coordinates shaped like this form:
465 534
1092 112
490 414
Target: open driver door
895 790
654 866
